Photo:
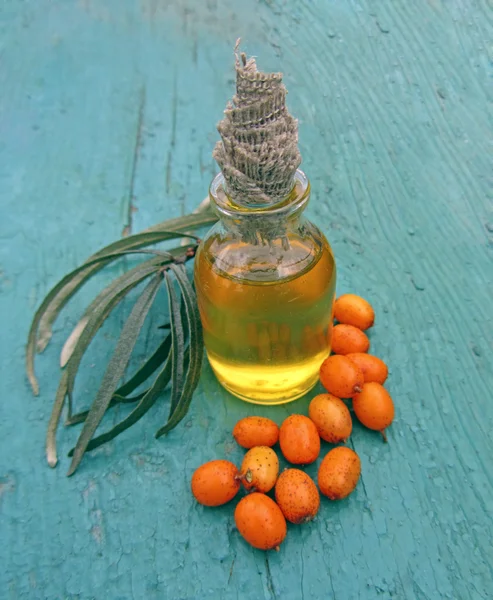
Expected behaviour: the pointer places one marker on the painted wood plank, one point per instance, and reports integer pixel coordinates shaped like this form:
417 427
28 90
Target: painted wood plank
107 122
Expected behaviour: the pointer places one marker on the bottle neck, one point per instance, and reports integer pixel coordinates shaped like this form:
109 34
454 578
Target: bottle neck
261 224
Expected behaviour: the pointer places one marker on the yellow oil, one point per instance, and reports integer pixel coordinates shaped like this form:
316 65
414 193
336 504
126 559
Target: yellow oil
266 336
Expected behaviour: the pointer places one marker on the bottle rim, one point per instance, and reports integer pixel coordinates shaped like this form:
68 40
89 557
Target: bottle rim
294 202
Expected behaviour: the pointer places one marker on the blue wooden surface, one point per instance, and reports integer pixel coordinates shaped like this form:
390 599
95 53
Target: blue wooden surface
107 121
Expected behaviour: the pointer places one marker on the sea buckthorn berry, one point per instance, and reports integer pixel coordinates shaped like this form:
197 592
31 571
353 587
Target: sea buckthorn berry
354 310
299 440
347 339
339 473
259 469
215 482
341 377
297 496
331 417
256 431
374 407
372 367
260 521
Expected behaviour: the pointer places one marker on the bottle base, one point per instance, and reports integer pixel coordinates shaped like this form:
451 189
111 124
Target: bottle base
268 386
269 402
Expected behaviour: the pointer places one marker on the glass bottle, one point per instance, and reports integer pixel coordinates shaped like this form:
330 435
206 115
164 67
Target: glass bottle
265 281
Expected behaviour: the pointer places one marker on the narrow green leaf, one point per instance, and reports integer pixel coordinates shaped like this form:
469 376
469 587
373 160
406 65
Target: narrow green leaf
112 287
191 221
101 308
175 254
177 343
121 394
74 280
117 399
196 349
139 411
184 319
41 332
61 394
115 369
147 369
71 342
33 332
82 416
49 306
97 313
166 231
203 207
94 264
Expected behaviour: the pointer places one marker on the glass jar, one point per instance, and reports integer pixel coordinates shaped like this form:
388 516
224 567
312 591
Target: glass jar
265 281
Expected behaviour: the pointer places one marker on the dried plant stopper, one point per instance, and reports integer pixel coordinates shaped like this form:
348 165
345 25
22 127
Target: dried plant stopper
258 152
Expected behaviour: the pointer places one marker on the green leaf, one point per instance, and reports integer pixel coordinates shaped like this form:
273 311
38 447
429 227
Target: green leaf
147 369
139 411
196 350
203 207
139 240
40 331
107 292
176 254
188 222
46 305
51 454
115 369
121 394
177 343
95 316
102 307
82 416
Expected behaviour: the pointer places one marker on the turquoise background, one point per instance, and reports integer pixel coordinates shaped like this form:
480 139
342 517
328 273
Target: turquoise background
107 122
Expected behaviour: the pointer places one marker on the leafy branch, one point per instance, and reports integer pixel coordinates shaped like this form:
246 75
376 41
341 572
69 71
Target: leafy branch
178 358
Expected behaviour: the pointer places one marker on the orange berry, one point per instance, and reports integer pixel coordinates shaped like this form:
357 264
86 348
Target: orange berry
259 469
260 521
339 473
256 431
374 407
215 482
354 310
372 367
331 417
341 377
297 496
347 339
299 440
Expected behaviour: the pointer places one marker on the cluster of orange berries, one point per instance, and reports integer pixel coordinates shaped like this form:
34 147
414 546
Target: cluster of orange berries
350 373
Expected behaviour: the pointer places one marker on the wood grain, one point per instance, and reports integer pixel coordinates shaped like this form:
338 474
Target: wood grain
107 122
